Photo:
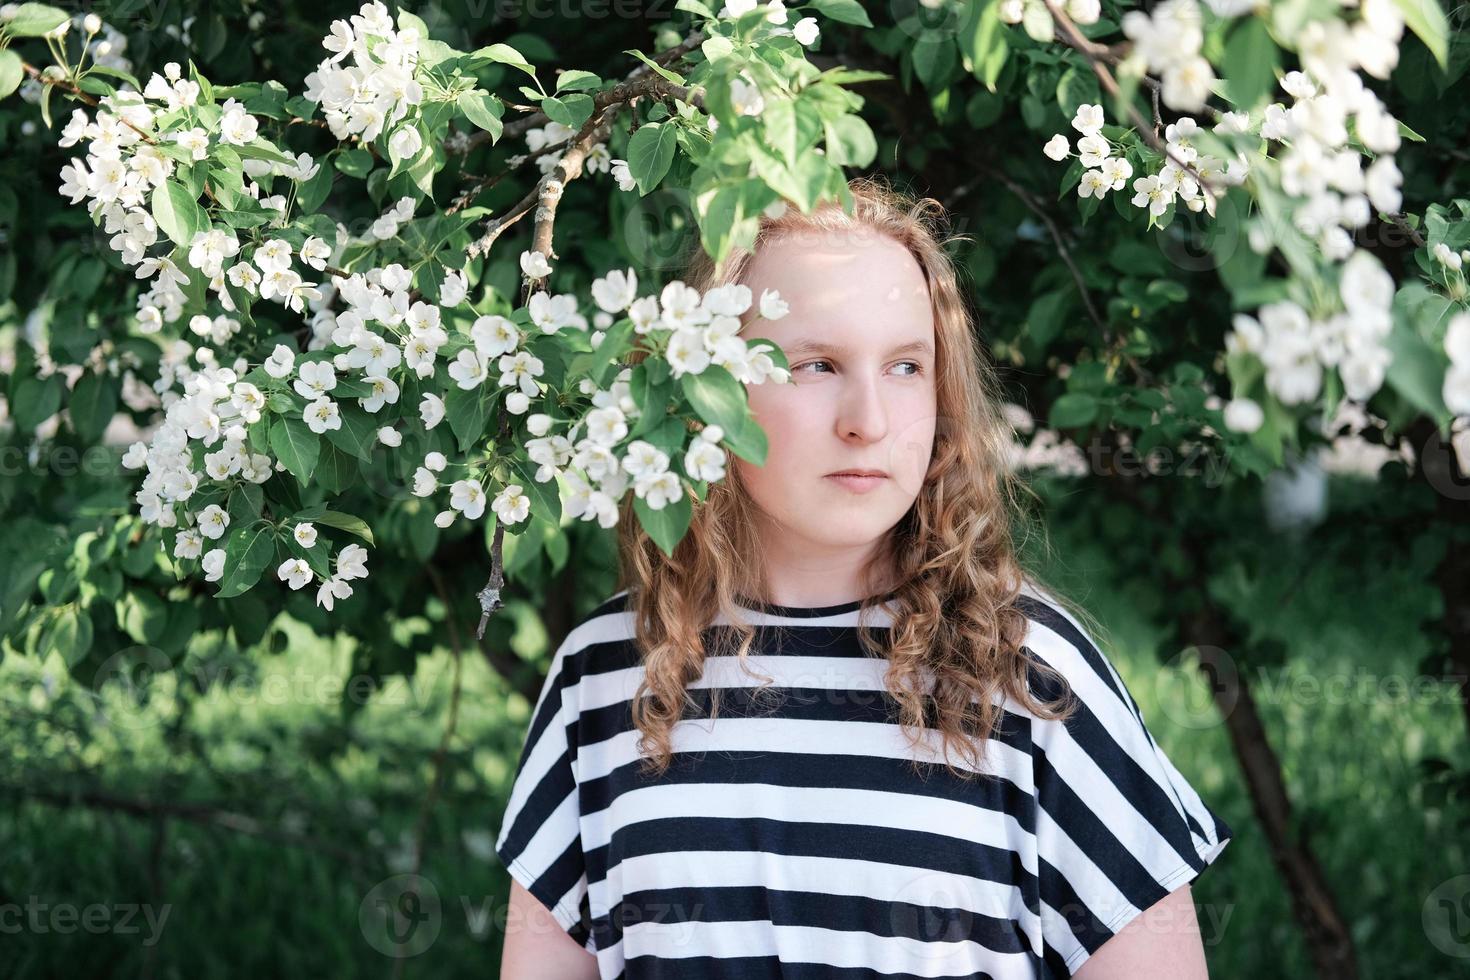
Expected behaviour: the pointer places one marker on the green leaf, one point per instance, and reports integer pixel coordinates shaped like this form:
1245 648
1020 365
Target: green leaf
1416 372
406 19
93 86
570 110
1077 86
33 400
716 396
248 551
719 210
717 47
1037 22
1426 19
143 616
335 518
850 141
69 634
93 403
982 39
576 80
297 447
1047 316
657 68
34 20
354 163
651 388
933 58
613 342
11 72
1072 410
1251 60
505 55
843 11
650 153
482 109
791 127
336 470
265 150
545 497
246 501
177 213
1276 427
720 400
356 435
115 73
668 526
467 414
312 193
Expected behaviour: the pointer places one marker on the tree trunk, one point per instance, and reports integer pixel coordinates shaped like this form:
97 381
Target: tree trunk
1326 933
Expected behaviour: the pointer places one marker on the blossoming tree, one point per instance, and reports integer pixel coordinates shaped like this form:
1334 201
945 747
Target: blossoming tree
314 315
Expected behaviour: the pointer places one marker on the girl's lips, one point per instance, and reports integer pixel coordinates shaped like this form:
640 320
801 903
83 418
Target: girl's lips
857 484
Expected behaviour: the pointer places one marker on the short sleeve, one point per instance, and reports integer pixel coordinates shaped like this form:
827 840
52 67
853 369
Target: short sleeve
1117 826
540 840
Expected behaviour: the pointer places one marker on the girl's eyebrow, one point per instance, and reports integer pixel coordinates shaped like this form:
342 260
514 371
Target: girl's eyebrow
811 346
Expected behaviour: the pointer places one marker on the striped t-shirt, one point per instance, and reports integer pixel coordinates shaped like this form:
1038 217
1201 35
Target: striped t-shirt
798 841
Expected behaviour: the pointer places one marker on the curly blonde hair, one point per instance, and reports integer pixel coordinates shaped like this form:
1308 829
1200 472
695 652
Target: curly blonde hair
956 635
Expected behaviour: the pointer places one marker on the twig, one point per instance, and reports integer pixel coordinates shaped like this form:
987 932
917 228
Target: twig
489 596
1062 250
1397 220
539 118
1098 54
1056 236
72 89
626 93
548 190
205 814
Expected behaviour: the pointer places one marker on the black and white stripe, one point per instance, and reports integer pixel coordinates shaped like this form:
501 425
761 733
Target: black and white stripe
791 836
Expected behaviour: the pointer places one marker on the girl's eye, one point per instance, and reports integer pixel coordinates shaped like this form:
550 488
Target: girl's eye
918 368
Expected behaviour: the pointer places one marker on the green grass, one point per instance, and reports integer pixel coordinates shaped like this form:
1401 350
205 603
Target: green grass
347 794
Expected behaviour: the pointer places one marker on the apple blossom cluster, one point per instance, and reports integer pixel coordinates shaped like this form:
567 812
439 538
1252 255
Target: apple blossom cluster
366 85
1037 18
377 340
805 30
699 331
1296 348
213 410
1046 450
554 138
1320 173
548 143
1177 181
130 156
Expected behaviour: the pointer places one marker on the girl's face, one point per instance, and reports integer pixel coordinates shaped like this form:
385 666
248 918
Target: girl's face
860 341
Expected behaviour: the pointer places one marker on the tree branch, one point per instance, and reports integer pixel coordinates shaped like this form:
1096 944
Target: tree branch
71 89
1098 54
538 118
204 814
